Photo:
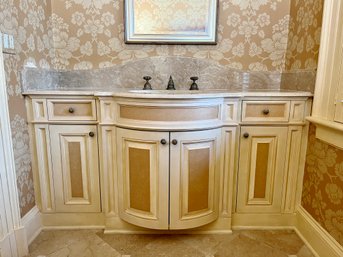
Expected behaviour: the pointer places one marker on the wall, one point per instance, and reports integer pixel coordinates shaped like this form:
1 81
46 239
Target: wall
27 21
252 35
304 34
323 185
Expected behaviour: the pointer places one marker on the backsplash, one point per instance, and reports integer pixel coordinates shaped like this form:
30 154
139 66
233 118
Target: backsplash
252 35
323 185
130 75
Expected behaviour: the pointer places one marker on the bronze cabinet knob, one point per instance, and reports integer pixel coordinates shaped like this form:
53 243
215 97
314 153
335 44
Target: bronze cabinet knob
266 111
163 141
71 110
91 134
174 142
246 135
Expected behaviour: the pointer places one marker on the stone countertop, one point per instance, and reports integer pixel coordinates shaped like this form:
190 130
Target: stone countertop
172 94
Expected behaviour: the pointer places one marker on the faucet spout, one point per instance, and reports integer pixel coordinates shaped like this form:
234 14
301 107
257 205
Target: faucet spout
171 85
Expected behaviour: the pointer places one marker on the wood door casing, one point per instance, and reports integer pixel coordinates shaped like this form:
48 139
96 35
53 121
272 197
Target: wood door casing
143 173
261 165
194 178
75 168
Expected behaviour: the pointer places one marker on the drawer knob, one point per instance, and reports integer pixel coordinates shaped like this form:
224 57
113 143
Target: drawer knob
246 135
163 141
91 134
174 142
71 110
266 111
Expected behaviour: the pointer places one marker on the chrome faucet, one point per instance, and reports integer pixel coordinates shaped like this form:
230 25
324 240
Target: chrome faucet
147 85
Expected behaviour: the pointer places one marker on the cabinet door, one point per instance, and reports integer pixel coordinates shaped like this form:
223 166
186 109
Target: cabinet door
261 164
74 151
194 175
143 175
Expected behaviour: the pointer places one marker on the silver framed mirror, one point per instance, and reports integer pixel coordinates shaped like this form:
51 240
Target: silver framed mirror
171 21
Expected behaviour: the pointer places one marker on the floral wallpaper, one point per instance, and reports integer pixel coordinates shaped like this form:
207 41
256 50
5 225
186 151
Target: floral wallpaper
323 185
252 35
304 34
27 21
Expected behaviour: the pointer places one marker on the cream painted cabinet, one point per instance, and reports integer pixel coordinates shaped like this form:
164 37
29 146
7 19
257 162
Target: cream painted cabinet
261 169
194 178
168 180
75 171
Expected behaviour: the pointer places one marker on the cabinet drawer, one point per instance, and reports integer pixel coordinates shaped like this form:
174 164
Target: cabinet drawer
277 111
72 109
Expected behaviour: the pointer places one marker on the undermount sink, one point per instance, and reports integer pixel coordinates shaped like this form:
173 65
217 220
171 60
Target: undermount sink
172 92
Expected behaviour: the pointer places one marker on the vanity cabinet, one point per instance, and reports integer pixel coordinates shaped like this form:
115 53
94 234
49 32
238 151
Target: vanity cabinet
198 161
261 169
168 180
75 172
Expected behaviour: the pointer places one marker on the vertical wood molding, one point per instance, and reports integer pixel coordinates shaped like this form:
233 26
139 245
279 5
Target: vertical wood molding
108 170
8 173
328 63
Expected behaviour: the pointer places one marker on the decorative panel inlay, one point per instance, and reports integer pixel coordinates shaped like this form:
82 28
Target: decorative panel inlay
261 170
75 166
139 177
156 113
198 181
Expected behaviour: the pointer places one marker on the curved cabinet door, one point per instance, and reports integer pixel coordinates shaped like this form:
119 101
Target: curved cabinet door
194 178
143 174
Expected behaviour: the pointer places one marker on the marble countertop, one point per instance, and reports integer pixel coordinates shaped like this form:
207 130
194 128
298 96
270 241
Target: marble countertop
172 94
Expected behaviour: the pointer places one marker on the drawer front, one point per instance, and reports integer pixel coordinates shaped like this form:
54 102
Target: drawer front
274 111
71 110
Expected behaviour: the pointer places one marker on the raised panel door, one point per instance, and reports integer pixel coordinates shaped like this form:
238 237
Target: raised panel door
75 168
143 175
261 165
194 178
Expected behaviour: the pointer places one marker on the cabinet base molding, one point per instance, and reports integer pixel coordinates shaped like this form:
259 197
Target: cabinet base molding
73 221
115 225
317 239
263 221
33 224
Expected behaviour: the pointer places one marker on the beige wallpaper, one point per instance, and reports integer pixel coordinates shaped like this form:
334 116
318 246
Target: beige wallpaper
304 34
323 185
252 35
27 21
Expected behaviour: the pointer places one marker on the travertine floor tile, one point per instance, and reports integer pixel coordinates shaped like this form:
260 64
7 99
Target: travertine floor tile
92 243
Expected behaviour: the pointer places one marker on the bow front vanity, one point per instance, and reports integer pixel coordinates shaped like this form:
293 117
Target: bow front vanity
137 160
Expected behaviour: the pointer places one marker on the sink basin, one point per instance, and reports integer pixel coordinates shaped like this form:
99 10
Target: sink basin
176 92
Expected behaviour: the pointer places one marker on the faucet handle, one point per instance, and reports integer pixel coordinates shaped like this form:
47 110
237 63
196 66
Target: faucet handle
194 85
147 85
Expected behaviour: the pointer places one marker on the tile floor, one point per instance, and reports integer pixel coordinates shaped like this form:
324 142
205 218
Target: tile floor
91 243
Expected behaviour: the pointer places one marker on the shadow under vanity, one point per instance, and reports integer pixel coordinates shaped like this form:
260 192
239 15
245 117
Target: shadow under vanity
108 154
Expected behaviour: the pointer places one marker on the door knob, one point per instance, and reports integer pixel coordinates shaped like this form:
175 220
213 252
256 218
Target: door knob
163 141
71 110
174 142
91 134
246 135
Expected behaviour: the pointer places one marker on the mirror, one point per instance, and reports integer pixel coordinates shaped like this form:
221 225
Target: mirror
171 21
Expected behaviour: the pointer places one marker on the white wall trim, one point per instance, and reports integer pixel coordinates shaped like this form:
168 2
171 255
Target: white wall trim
315 236
32 223
13 229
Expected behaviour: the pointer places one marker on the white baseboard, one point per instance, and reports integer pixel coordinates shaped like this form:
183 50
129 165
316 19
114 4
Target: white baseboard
315 236
33 224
